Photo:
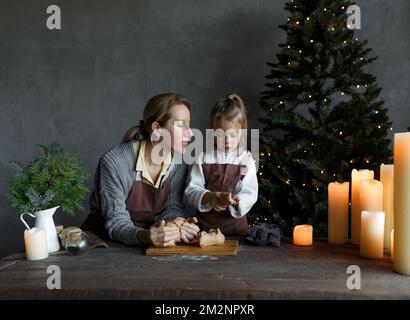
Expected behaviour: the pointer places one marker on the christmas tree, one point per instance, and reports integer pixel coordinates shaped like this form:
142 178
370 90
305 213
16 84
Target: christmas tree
323 116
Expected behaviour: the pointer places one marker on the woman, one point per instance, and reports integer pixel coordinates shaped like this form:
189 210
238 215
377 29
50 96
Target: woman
135 193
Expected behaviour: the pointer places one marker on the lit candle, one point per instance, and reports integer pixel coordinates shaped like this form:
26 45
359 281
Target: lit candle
387 178
357 176
35 241
338 212
372 234
370 195
392 245
303 235
402 203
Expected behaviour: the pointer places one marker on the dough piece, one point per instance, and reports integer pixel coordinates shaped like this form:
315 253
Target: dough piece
211 238
176 223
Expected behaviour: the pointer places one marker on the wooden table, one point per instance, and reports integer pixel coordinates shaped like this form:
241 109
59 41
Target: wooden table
122 272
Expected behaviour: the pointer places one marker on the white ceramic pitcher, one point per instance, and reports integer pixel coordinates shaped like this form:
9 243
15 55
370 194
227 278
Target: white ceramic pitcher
44 219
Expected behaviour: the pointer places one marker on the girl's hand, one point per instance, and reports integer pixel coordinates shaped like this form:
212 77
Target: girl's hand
216 200
234 200
161 236
189 230
219 201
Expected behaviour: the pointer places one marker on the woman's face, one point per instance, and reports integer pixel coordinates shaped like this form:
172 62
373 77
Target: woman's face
178 127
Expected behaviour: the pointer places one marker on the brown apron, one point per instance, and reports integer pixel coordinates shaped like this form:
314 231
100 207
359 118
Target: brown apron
144 202
222 178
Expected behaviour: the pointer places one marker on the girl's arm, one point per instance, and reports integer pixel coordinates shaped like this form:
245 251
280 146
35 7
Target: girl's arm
195 188
249 192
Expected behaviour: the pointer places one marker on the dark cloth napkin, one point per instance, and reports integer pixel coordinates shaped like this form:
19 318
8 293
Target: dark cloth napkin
264 234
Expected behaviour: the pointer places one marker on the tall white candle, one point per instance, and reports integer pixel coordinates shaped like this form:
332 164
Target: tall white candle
357 176
338 212
402 203
387 178
35 241
372 234
370 195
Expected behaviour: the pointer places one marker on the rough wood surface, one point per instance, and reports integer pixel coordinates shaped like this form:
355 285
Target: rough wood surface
288 272
229 248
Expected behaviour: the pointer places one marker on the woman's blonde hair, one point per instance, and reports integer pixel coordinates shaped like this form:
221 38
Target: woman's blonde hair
230 108
157 109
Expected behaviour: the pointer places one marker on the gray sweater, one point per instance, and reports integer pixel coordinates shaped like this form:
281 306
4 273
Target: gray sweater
113 180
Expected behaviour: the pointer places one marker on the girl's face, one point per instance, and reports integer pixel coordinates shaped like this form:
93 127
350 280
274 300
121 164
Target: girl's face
227 135
178 127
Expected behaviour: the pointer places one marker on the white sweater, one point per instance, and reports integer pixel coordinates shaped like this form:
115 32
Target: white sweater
247 188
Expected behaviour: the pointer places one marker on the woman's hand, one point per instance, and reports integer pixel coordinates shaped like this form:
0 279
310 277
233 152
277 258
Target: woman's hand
189 230
162 236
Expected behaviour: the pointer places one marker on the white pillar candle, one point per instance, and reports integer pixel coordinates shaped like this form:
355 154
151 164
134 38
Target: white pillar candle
402 203
357 176
35 241
338 212
372 234
303 235
387 178
370 195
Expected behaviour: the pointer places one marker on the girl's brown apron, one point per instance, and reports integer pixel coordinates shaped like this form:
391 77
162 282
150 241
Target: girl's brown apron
144 202
222 178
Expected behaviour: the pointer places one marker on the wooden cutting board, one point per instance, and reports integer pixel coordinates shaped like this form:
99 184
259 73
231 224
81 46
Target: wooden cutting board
229 248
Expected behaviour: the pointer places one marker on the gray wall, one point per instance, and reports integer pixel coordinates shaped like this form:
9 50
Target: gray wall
85 85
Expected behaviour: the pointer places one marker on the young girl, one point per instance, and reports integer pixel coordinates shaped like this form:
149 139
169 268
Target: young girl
222 184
